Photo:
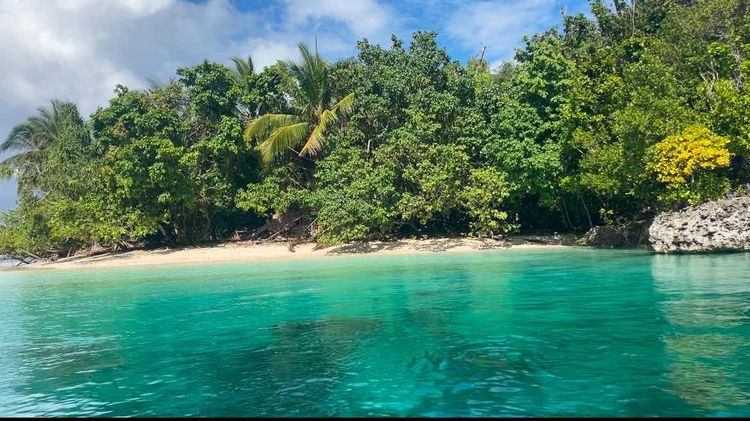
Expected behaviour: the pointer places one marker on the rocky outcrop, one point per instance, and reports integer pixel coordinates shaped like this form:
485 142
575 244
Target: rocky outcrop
627 235
723 225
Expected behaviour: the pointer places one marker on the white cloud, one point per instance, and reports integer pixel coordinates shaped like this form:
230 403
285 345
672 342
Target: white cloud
267 51
78 50
362 17
500 24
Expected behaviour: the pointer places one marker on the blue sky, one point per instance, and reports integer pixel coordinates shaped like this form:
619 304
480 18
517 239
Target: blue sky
78 50
464 26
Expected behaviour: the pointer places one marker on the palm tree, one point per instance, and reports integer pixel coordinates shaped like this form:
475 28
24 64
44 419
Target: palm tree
242 69
31 139
281 132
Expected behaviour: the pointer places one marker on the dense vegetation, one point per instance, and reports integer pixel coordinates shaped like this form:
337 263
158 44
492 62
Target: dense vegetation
636 110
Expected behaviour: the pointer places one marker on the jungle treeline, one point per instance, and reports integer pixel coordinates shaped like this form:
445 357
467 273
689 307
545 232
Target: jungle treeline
640 108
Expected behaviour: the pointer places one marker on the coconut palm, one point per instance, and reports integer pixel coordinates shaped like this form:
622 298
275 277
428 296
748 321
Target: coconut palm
281 132
242 69
30 141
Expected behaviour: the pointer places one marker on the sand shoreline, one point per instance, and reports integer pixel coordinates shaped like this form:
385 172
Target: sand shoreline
241 253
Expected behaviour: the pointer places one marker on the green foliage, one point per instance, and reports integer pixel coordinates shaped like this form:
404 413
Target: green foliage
484 198
355 198
283 132
686 164
280 189
587 126
24 231
210 86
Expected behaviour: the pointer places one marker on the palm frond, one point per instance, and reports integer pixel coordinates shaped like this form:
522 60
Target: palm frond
239 64
19 138
265 124
345 105
311 73
315 141
281 139
242 68
17 160
33 140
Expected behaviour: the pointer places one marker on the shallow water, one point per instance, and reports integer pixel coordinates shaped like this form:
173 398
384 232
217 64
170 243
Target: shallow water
506 333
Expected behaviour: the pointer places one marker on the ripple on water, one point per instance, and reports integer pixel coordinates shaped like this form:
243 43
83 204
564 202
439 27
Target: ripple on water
512 333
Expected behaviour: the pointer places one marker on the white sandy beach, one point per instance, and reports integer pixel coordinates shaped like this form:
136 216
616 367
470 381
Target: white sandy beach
238 253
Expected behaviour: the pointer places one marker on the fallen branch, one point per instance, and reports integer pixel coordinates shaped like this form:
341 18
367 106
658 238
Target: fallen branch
285 228
31 254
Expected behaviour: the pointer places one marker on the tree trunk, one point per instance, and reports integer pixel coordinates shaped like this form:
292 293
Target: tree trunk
567 215
562 218
585 208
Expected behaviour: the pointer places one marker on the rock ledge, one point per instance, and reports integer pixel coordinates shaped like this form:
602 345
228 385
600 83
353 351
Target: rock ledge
633 234
723 225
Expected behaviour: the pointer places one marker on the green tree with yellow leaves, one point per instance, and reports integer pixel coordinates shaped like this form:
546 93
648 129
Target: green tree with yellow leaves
687 164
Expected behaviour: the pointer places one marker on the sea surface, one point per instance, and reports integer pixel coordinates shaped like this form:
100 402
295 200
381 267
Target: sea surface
551 332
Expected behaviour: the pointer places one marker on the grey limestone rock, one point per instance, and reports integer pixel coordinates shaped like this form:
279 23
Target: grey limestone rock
723 225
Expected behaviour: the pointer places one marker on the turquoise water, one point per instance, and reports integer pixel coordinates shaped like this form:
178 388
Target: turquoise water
505 333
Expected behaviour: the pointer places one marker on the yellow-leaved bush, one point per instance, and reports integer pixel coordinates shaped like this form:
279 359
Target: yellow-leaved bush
687 162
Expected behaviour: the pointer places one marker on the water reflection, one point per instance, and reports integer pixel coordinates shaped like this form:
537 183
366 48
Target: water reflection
706 300
296 372
496 378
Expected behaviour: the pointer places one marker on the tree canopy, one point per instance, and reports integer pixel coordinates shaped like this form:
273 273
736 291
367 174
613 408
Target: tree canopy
622 114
